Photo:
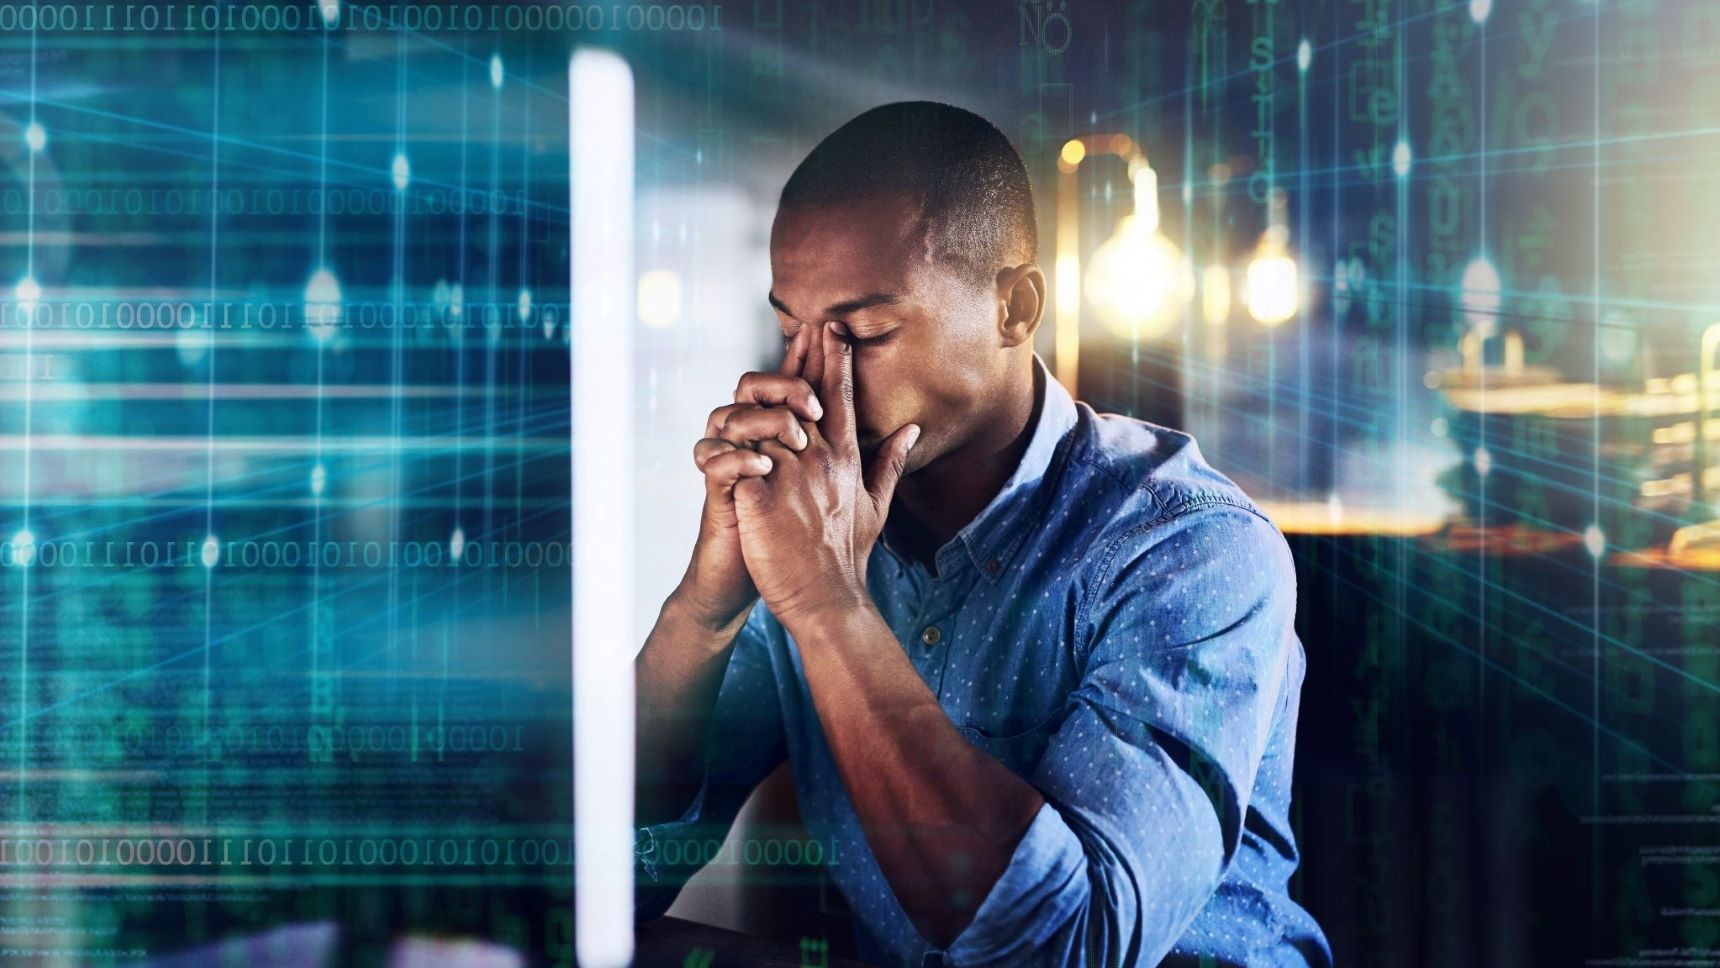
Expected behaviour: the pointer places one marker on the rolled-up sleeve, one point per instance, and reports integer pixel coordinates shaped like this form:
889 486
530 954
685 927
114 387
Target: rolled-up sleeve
744 743
1186 633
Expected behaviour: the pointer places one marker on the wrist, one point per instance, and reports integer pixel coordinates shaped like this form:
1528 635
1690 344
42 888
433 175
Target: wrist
835 614
685 606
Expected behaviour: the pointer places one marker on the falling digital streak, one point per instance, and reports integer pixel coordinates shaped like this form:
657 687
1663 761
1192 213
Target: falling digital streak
458 301
29 382
1304 239
396 351
524 300
492 326
209 410
1595 437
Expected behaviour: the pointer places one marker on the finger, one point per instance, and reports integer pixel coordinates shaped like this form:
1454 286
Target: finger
837 387
794 358
723 470
709 447
885 471
723 422
747 427
752 496
813 373
720 416
780 456
777 390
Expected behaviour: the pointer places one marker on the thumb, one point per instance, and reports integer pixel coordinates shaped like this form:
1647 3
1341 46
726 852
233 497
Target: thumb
889 462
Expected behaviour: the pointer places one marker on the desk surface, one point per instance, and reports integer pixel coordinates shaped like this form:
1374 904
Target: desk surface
674 943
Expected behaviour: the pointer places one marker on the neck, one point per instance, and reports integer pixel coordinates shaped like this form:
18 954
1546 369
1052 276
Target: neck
933 504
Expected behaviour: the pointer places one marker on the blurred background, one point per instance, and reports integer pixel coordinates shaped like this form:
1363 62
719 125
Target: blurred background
285 353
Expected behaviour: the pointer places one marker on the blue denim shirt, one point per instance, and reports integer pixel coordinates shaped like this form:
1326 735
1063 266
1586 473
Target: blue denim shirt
1115 627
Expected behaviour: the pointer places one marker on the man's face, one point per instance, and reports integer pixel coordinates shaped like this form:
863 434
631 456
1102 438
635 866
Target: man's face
927 347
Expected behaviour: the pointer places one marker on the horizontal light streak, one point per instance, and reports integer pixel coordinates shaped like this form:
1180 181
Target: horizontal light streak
42 390
298 444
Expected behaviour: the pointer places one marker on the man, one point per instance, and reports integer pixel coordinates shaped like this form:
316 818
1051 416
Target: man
1033 667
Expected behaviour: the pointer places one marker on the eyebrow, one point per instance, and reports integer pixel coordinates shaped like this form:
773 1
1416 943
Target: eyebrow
842 308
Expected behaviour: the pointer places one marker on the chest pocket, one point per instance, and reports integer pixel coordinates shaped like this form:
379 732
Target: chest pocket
1020 751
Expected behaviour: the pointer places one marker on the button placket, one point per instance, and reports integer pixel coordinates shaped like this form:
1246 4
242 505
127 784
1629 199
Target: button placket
936 630
934 619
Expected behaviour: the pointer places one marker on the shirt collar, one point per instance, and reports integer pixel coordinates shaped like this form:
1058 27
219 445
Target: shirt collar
994 535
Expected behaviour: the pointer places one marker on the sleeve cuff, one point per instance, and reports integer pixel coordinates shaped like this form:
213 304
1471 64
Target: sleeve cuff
1043 885
655 881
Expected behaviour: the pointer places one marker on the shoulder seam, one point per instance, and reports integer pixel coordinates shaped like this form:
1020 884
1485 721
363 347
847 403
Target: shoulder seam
1177 511
1198 502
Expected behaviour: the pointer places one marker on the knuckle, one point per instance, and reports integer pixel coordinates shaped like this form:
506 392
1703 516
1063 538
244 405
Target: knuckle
734 428
718 418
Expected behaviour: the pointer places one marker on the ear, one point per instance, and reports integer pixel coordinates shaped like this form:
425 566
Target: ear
1020 302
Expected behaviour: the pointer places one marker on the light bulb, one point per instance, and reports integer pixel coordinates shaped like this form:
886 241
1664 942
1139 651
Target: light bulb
1274 290
1481 297
1138 281
1272 284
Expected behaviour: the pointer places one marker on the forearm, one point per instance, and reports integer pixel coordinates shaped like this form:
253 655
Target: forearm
676 679
941 816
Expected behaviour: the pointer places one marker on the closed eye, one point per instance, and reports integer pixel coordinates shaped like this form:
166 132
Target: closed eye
880 339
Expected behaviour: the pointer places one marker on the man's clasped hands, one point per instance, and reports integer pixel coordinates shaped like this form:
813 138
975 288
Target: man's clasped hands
791 509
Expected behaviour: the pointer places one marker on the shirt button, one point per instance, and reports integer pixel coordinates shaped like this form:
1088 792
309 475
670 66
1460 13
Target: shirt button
993 566
931 635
